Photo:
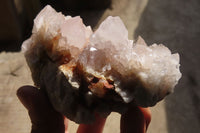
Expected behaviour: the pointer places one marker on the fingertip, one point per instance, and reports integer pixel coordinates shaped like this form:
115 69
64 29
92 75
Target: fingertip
26 90
23 89
147 115
26 94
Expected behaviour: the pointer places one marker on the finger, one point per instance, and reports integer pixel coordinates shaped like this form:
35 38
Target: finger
66 121
43 117
135 120
147 115
96 127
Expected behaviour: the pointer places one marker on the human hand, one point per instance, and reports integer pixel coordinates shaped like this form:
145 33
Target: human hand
45 119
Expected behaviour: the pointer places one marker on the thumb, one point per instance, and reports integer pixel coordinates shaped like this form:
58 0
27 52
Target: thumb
135 120
43 117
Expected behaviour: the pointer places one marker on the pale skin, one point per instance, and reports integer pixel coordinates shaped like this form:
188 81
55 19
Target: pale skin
45 119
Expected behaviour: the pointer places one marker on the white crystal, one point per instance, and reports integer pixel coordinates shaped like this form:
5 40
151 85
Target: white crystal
155 66
54 27
75 64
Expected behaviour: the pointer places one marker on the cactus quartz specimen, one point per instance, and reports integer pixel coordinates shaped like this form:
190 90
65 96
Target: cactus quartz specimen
85 72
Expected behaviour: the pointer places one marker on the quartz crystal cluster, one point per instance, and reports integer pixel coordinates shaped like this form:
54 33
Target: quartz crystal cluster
84 72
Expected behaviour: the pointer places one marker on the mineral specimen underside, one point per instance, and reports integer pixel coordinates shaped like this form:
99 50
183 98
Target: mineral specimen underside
84 72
